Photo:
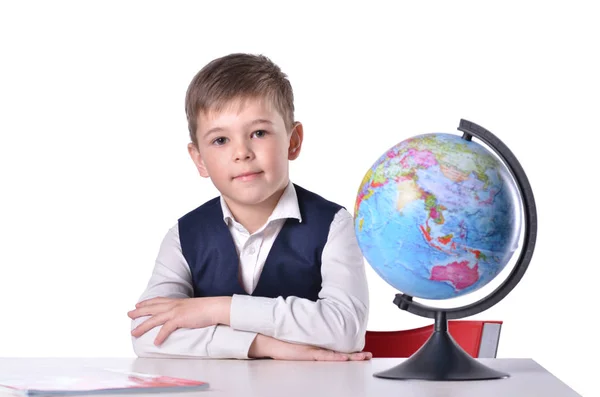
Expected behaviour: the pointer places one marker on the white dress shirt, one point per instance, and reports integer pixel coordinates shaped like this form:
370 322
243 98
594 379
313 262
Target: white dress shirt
336 321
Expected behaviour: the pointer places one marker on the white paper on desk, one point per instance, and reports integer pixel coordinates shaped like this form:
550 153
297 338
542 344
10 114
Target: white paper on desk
88 380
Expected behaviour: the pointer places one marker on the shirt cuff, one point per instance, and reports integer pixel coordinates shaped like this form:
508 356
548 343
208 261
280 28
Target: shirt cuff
229 343
252 313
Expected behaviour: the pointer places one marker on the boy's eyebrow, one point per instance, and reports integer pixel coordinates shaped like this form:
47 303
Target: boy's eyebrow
259 121
213 131
250 124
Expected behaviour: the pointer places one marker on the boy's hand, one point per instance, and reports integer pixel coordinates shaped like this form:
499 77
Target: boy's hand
265 346
180 313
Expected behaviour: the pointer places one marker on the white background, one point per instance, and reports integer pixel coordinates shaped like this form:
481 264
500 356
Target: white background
94 168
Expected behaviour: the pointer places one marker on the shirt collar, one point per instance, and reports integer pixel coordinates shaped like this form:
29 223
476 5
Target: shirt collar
287 207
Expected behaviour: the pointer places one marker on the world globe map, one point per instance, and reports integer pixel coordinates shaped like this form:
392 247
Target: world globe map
437 216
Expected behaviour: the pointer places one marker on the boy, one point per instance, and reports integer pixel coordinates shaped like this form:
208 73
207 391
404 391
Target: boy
268 269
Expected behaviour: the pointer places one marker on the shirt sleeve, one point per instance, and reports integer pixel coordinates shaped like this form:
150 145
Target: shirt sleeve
171 278
337 320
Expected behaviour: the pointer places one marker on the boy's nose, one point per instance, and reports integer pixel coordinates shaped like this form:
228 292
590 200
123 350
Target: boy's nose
243 152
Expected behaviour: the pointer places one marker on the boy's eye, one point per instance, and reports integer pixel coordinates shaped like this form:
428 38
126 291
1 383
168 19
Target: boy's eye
219 141
259 133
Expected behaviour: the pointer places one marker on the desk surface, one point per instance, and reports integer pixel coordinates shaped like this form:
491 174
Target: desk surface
265 378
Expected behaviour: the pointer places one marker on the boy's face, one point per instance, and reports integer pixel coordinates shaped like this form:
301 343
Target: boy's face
244 149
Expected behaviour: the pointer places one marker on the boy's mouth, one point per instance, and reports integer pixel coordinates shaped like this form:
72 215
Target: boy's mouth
247 176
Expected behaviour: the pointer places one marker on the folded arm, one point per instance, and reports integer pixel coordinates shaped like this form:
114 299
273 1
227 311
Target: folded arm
337 320
171 278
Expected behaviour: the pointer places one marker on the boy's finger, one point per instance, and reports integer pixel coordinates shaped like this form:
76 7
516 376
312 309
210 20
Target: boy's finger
166 330
149 324
151 302
361 356
148 310
328 355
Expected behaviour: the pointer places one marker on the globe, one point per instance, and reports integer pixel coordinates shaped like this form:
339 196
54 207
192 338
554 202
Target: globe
438 216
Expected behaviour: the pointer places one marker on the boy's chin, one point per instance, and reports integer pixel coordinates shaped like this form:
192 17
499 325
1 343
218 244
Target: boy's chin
252 197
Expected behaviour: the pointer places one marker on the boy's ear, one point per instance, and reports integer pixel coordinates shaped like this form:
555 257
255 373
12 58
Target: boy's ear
197 159
296 138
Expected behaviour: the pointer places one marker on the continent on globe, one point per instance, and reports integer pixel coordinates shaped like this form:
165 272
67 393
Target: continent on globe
459 274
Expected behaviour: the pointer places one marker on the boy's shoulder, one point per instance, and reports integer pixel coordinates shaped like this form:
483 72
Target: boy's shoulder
305 195
207 211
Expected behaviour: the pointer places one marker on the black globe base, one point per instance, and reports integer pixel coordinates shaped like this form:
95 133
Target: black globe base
441 359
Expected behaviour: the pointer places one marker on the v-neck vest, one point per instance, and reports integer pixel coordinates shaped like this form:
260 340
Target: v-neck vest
292 267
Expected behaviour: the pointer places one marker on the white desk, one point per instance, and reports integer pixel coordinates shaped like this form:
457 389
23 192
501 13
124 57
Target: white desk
264 378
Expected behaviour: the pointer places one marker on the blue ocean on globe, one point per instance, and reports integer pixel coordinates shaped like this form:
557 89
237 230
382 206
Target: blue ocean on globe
438 216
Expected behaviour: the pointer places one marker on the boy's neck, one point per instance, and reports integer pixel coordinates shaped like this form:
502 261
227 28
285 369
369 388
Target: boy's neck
253 217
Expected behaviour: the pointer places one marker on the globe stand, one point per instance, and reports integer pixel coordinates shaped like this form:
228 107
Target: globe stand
440 358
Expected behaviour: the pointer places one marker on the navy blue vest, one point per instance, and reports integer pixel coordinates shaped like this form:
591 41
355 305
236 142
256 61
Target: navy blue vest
292 268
